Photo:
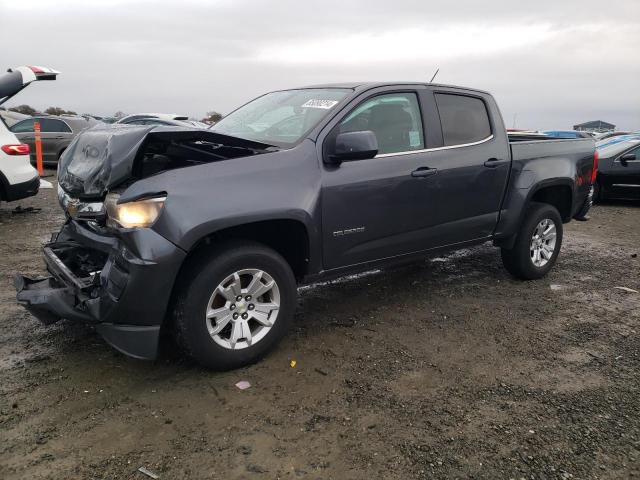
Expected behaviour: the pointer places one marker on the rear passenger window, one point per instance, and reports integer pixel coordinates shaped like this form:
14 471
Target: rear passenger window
464 119
51 125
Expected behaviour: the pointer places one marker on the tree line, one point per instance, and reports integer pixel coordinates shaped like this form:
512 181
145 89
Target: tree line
211 117
29 110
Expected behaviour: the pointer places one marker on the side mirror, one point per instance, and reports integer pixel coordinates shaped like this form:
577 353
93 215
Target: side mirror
355 146
627 157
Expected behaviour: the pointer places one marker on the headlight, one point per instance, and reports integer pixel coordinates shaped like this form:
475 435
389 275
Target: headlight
140 213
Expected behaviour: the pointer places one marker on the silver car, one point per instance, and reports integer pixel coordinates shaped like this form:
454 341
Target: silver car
56 134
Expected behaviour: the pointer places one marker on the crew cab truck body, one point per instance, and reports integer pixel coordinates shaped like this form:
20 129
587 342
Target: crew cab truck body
208 233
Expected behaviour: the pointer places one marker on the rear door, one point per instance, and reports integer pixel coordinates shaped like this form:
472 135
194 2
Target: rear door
473 166
625 173
56 135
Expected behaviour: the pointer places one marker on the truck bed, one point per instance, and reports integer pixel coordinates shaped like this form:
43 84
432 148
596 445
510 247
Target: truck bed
543 148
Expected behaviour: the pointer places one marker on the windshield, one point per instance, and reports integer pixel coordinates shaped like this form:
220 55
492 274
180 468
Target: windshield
281 118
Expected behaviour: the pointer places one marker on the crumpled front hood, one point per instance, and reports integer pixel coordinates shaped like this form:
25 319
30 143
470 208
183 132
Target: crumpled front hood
103 157
99 158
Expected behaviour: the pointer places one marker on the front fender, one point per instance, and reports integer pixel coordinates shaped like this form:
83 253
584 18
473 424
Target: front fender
204 199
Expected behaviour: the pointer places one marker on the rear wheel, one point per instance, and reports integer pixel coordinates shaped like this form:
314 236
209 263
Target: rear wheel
537 245
234 305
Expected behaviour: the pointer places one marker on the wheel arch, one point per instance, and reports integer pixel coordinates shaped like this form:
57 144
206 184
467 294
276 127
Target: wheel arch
279 234
289 237
558 193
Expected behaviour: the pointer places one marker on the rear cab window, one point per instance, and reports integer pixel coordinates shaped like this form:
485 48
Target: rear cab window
464 119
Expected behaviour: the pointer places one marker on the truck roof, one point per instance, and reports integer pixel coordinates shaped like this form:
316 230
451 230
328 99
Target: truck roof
361 86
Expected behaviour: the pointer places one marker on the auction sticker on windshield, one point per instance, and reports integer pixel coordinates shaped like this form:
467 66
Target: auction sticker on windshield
316 103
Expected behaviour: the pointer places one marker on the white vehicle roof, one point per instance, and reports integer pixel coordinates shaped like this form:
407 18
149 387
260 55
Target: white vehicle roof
11 118
163 116
612 146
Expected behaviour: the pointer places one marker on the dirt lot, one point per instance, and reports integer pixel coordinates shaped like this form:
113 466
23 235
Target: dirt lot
448 368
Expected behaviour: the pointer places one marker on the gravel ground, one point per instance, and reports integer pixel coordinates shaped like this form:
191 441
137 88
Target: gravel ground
448 368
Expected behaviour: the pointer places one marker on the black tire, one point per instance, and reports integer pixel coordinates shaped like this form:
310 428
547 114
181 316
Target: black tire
517 260
198 281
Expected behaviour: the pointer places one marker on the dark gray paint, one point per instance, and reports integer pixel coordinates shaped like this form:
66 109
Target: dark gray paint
479 192
465 201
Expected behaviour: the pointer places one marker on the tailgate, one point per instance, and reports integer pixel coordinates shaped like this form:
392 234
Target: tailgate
18 78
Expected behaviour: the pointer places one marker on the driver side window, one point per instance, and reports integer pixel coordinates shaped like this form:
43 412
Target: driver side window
394 118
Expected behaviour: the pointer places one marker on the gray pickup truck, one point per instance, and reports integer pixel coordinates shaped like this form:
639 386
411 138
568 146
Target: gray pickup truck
208 233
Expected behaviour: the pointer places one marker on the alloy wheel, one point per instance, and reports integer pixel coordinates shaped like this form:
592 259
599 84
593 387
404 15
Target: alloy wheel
543 242
243 308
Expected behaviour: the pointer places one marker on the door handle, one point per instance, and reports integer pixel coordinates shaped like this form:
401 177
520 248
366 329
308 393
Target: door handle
424 172
494 162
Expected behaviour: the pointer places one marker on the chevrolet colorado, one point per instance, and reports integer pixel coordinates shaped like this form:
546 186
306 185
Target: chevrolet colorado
207 233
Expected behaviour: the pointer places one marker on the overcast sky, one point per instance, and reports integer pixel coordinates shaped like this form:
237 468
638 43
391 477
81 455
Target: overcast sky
550 63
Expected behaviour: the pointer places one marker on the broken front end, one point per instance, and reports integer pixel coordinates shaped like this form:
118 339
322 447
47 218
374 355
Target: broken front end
108 265
120 284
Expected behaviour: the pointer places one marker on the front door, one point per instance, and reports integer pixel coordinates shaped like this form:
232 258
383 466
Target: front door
625 174
374 208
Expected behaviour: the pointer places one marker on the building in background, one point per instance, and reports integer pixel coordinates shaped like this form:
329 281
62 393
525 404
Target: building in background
595 126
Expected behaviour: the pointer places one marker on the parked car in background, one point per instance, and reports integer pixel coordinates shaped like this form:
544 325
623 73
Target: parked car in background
605 135
18 179
619 168
567 134
214 229
57 132
162 121
162 116
11 118
95 117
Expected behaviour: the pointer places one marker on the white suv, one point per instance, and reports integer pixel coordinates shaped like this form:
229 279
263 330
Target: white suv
18 179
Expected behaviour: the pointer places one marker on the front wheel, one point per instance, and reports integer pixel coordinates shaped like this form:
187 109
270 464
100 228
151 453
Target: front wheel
537 245
234 305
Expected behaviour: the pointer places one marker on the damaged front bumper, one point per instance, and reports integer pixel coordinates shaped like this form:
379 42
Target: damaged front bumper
119 283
